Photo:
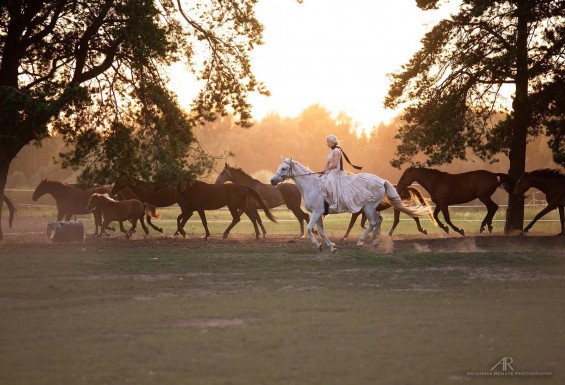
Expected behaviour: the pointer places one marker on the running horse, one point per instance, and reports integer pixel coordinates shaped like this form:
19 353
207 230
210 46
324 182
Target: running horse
200 196
70 200
273 196
408 194
307 183
447 189
552 183
124 210
158 196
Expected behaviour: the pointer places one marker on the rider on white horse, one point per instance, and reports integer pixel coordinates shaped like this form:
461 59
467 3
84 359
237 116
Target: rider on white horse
374 189
343 192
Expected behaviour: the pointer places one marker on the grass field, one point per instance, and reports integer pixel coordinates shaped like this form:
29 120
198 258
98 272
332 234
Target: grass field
160 310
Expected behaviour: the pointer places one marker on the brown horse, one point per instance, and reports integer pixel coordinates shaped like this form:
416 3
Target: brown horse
11 209
408 194
158 196
286 194
70 200
448 189
200 196
552 184
125 210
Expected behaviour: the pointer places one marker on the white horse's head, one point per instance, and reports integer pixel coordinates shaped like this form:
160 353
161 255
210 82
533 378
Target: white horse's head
283 172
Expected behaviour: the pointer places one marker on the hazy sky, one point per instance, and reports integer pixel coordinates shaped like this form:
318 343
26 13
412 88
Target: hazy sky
336 53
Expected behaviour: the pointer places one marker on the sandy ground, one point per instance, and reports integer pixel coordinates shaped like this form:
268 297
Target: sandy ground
30 233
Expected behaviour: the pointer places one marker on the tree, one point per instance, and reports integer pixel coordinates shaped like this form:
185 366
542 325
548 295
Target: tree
95 73
454 85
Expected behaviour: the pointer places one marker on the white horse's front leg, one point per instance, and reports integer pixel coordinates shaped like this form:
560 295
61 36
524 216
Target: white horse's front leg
327 241
313 220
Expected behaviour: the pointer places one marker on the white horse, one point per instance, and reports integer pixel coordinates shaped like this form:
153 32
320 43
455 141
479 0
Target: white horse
307 183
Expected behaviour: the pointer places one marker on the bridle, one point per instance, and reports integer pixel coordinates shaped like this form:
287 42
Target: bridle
290 174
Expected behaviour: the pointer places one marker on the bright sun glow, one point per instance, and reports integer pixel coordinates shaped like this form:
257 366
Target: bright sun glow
331 52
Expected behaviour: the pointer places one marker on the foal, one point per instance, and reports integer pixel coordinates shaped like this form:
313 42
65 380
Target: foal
113 210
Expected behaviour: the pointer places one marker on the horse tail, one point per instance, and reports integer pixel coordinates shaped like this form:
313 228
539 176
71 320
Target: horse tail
262 203
506 182
396 202
11 208
151 210
415 193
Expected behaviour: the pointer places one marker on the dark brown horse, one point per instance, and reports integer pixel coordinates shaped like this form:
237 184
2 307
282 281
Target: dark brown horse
286 194
448 189
124 210
200 196
70 200
552 184
408 194
11 209
158 196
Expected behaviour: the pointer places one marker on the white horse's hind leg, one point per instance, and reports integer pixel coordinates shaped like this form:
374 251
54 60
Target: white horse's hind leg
375 221
314 219
377 228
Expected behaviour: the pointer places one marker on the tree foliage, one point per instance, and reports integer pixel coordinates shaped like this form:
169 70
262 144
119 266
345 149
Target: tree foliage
95 73
458 81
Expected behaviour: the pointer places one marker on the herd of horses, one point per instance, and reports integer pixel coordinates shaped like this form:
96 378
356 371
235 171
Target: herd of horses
137 200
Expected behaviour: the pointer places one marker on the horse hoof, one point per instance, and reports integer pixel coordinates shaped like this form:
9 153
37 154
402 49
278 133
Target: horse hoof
490 229
462 232
160 230
424 232
481 230
320 247
333 249
359 244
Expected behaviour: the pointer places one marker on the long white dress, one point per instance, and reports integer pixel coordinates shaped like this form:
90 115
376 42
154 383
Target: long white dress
348 193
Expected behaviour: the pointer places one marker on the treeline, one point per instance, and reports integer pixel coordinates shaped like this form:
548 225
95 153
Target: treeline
257 150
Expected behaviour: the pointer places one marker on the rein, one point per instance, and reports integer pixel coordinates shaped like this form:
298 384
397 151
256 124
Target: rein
290 175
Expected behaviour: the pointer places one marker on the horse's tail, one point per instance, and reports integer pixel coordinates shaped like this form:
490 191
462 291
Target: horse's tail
151 211
11 208
506 182
415 193
396 202
262 203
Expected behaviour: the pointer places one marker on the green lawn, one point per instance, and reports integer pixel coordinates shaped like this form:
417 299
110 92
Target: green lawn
167 313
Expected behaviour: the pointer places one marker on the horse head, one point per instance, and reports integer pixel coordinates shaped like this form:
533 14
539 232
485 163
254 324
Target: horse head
225 175
40 190
283 172
405 180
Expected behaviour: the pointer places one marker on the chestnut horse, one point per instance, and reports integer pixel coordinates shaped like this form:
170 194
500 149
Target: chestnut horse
158 196
287 194
552 184
70 200
124 210
408 194
200 196
447 189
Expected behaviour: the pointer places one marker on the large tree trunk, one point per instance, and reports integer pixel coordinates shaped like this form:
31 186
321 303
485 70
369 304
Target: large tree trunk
521 121
4 167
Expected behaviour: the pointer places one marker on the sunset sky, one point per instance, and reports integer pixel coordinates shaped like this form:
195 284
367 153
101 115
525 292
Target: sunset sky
334 53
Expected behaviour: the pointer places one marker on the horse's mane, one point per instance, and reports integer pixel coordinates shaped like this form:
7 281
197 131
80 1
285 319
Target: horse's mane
242 173
105 196
426 169
547 172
